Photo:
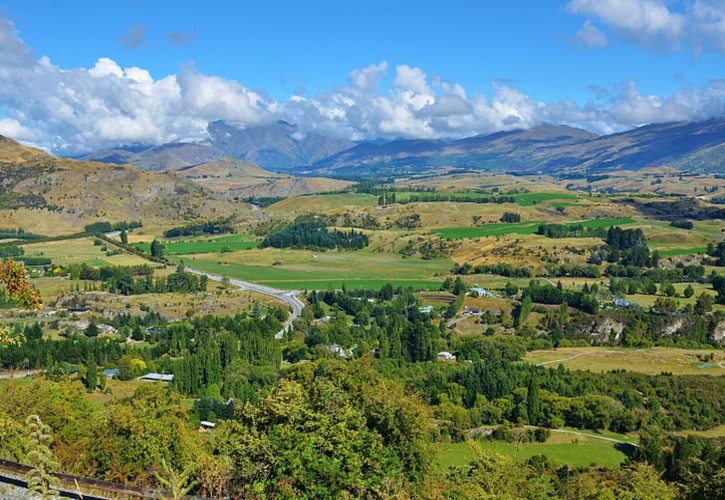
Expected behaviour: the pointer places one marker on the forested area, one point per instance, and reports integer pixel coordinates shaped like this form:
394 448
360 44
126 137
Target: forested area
337 413
294 417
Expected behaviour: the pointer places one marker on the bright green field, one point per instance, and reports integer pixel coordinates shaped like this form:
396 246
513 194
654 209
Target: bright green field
203 245
299 269
682 251
500 229
586 452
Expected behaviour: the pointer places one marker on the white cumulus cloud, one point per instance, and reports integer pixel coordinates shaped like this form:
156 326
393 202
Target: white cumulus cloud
590 36
75 110
658 24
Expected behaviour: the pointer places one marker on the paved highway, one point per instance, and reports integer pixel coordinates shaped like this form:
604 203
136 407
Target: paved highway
286 296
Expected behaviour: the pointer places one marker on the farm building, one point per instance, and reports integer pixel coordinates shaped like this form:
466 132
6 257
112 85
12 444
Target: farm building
207 426
158 377
426 309
111 373
471 311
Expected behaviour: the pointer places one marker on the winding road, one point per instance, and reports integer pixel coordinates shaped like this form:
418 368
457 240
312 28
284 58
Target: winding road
286 296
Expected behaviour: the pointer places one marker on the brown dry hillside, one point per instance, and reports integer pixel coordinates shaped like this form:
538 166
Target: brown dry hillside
241 179
49 195
226 167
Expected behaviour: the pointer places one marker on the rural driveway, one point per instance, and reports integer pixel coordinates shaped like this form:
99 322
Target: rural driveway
286 296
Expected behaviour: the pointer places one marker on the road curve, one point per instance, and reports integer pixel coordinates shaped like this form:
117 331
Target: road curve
286 296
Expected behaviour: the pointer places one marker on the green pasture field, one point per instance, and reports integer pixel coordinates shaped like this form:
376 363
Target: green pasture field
198 245
501 229
585 452
682 251
299 269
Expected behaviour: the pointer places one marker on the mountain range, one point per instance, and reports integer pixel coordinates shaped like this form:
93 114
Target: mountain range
547 148
278 145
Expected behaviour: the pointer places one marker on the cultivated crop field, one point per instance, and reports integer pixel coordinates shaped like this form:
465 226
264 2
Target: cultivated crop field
651 361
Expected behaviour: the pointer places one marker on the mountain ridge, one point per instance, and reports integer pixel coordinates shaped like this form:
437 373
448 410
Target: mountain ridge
281 146
50 195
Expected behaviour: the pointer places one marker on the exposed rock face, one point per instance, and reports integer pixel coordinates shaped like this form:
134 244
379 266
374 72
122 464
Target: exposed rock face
673 327
607 330
718 334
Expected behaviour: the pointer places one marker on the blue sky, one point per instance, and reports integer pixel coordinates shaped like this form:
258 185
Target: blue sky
280 47
549 51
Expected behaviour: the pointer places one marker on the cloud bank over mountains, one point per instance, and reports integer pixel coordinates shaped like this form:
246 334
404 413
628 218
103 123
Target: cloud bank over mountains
74 110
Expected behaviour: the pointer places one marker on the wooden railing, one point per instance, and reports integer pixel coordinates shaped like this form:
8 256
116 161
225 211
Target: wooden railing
14 473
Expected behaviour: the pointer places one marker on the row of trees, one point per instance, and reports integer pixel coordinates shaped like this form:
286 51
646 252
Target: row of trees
570 231
220 226
107 227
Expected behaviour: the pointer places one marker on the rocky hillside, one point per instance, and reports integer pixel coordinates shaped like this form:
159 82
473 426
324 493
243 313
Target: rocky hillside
241 179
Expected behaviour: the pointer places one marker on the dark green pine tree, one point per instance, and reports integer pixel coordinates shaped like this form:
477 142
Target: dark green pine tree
157 250
533 400
91 373
137 333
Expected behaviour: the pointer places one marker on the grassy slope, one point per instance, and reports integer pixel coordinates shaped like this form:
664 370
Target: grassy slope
650 361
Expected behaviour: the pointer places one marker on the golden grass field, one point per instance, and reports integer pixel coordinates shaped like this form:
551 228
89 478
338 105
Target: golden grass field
650 361
80 250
